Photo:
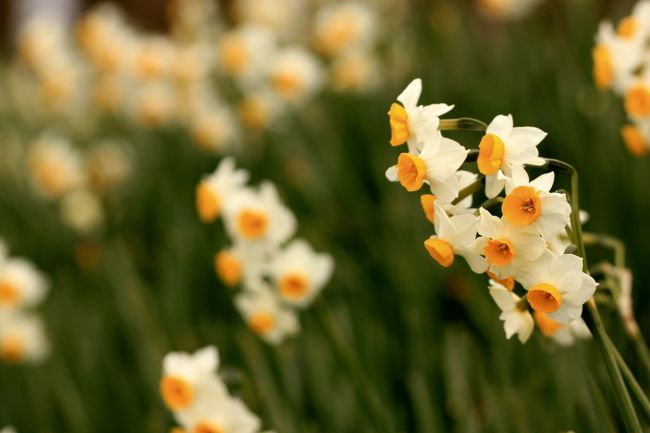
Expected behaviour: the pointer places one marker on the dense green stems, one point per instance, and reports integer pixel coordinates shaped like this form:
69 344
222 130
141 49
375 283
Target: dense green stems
370 397
636 389
463 123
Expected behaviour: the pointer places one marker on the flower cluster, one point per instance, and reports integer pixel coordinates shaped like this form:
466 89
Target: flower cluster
198 397
60 172
216 74
22 288
525 244
620 63
278 276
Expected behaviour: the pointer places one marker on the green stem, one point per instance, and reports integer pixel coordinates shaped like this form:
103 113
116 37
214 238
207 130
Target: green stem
469 190
462 123
637 391
623 399
371 398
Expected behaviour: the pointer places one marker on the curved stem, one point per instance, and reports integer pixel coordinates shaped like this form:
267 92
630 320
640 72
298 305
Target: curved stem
640 396
462 123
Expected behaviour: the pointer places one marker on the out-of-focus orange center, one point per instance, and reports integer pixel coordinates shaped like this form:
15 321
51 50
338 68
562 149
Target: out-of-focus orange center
545 324
176 392
208 204
294 285
228 268
441 251
252 224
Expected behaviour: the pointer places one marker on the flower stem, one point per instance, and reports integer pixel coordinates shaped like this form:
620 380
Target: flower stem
594 321
463 123
469 190
636 389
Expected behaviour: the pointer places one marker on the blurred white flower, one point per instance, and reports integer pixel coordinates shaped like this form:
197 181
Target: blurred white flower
82 211
218 188
295 74
344 26
266 315
21 284
55 167
22 338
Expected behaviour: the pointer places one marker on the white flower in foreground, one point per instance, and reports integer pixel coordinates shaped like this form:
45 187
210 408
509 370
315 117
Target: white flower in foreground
22 338
295 74
300 273
557 286
436 165
21 284
188 379
266 315
219 415
429 201
455 236
217 188
563 334
504 149
506 247
532 204
258 216
408 122
516 319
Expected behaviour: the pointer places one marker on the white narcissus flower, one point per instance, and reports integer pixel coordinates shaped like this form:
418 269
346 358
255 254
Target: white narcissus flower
455 236
435 165
532 204
429 201
299 273
21 284
504 149
636 137
507 248
295 74
212 127
562 333
355 71
241 264
22 338
55 167
408 122
222 414
279 16
266 315
216 189
82 211
557 286
189 379
153 57
341 27
615 59
258 216
516 319
244 52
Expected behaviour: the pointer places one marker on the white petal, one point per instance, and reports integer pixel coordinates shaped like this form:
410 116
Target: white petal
500 126
502 297
391 173
410 96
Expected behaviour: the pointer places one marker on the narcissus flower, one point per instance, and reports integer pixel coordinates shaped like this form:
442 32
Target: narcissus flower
340 27
214 190
241 264
409 121
22 338
244 52
295 74
266 315
504 149
532 204
615 59
637 138
436 165
259 216
221 415
455 236
187 379
55 167
506 247
516 318
557 286
562 333
299 273
21 284
82 211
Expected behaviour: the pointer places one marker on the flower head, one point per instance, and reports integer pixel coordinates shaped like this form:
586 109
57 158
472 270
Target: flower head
217 188
266 315
516 318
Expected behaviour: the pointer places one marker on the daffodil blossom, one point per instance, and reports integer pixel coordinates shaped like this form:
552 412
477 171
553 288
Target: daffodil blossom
429 201
454 236
516 319
505 149
557 286
216 189
564 334
300 273
436 165
506 247
220 414
21 284
532 204
411 123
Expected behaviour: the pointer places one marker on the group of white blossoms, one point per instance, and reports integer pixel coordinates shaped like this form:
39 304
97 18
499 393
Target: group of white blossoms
198 397
278 277
621 62
22 288
526 245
